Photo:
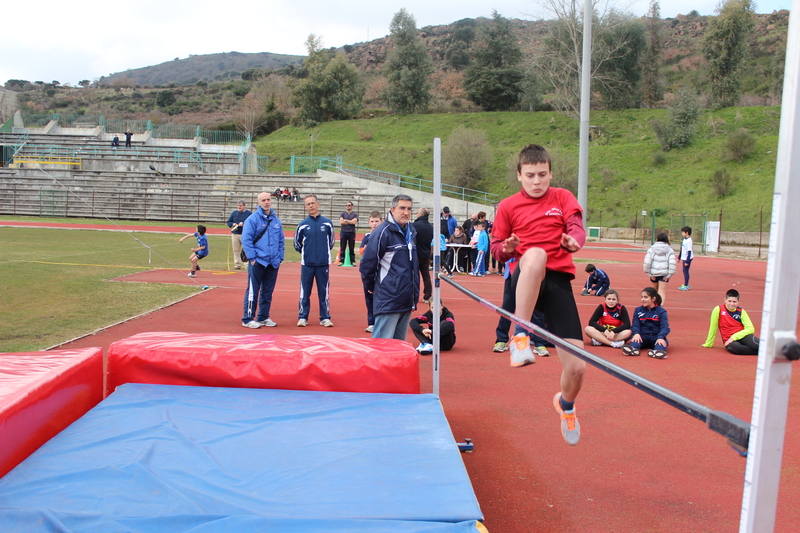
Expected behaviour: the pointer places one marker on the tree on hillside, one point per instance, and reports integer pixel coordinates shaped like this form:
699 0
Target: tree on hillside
267 107
466 157
652 84
618 79
457 53
559 62
725 49
407 67
494 80
333 88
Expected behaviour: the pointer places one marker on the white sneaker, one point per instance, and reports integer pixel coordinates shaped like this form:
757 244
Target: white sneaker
191 275
425 348
542 351
521 354
617 344
326 322
269 323
302 323
253 324
596 343
369 329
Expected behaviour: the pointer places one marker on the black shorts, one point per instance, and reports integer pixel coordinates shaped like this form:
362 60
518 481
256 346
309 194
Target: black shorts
557 303
657 279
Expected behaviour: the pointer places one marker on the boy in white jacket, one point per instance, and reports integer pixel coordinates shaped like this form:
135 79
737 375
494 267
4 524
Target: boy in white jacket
660 264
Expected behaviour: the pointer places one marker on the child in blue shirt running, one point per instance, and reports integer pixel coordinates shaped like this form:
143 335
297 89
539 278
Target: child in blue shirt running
202 248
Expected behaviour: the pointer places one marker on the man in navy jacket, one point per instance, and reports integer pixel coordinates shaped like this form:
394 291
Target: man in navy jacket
314 240
390 270
263 243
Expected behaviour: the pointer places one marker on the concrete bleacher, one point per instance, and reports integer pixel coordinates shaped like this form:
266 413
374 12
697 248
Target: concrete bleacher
84 177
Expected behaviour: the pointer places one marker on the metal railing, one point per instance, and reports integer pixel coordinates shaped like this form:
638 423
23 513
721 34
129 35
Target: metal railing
308 165
260 163
159 131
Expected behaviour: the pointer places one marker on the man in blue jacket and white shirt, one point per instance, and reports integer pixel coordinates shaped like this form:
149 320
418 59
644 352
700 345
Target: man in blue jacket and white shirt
263 243
314 240
390 270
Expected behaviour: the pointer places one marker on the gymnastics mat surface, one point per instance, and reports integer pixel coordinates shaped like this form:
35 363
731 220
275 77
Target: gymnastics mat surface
41 393
292 362
160 458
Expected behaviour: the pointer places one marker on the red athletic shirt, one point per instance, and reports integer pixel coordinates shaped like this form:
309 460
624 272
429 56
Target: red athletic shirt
539 223
730 322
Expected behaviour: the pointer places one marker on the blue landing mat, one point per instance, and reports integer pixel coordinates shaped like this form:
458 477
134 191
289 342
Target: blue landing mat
158 458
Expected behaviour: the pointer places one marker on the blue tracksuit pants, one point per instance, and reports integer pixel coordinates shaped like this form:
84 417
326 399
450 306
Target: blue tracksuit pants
260 284
308 274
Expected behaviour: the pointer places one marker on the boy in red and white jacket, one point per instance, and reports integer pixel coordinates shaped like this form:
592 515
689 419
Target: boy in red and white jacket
734 325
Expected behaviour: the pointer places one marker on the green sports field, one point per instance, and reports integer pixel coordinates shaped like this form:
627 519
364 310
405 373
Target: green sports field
56 284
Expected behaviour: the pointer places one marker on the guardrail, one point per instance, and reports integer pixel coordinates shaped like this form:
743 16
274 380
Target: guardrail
308 165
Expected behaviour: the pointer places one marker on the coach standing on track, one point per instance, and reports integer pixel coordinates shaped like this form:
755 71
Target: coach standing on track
263 242
390 270
235 222
314 240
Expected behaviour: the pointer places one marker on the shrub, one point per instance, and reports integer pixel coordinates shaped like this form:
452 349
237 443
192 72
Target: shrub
466 157
739 145
659 159
681 127
722 182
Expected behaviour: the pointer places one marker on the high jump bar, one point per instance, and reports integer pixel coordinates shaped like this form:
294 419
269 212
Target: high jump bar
737 431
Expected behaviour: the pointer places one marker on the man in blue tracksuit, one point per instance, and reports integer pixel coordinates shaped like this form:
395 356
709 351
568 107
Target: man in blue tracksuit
314 240
390 270
263 242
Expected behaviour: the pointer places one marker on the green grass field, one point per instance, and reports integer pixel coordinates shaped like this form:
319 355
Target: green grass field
625 176
56 284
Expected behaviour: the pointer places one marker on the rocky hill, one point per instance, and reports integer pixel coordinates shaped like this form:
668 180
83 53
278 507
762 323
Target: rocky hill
208 68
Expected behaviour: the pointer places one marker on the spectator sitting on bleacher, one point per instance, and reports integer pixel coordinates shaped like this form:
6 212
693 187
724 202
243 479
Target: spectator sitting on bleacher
286 195
295 195
115 142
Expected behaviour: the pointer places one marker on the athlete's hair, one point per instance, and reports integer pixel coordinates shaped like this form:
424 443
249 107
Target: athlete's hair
376 214
611 291
662 237
532 154
201 229
732 293
590 268
314 196
687 229
481 214
479 223
652 293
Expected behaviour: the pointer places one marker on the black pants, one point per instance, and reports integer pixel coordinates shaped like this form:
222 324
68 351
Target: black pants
447 336
347 239
747 345
509 304
424 272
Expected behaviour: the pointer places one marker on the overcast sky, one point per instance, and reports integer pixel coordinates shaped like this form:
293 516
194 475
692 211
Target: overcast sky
72 41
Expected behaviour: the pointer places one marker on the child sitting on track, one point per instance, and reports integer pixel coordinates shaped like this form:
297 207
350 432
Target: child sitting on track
597 283
610 324
734 325
422 328
650 327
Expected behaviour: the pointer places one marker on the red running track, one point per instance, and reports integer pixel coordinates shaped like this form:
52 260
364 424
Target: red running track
640 466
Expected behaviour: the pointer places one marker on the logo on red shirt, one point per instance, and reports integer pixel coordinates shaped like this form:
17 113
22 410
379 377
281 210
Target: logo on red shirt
554 212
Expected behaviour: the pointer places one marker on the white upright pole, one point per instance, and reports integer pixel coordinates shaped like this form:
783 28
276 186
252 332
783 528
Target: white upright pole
437 257
781 292
586 101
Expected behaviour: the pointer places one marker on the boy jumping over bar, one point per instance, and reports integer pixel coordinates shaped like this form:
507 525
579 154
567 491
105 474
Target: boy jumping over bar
542 226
